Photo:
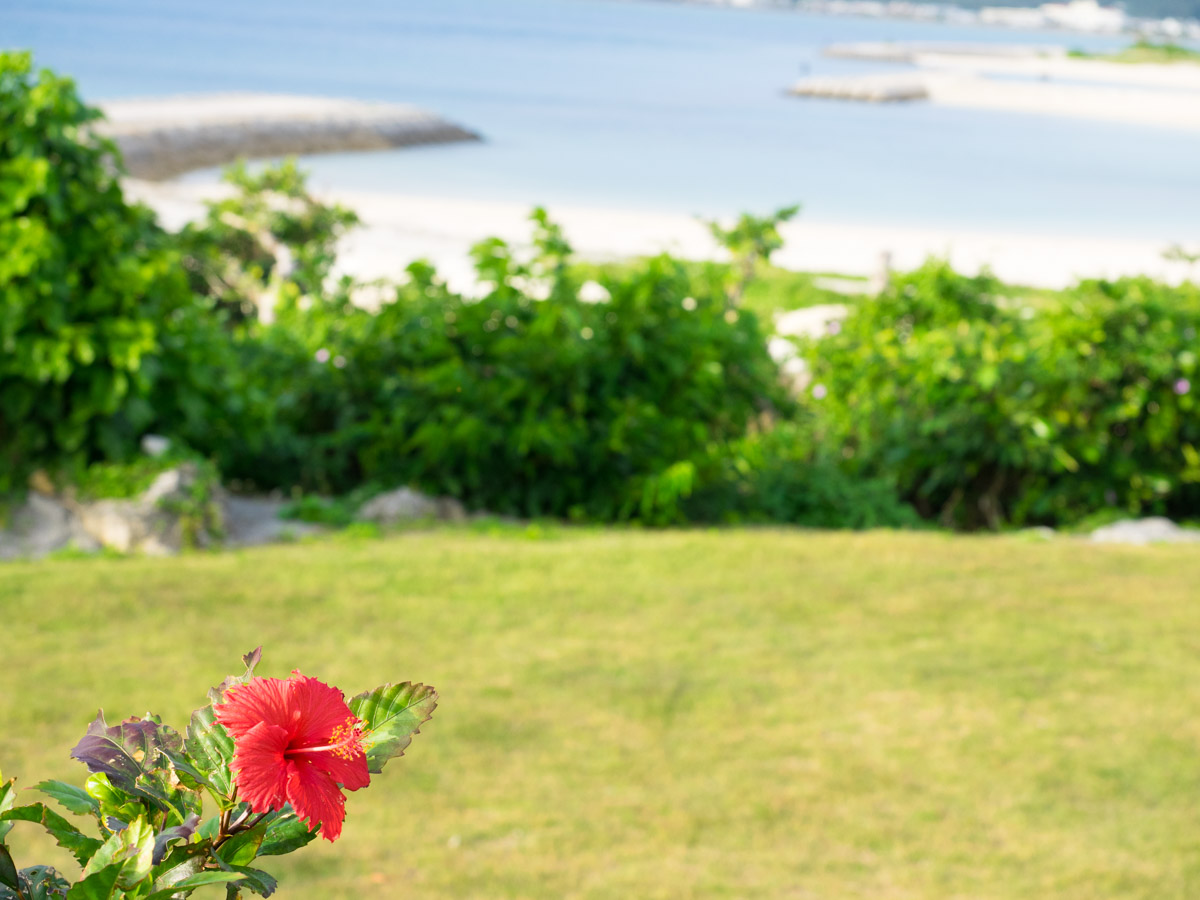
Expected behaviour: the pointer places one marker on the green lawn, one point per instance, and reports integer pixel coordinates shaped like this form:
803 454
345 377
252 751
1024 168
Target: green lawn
1146 52
624 714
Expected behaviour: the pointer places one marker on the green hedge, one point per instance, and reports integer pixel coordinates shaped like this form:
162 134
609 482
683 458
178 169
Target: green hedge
985 409
97 324
552 406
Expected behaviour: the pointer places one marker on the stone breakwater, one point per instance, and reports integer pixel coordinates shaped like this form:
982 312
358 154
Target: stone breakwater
164 137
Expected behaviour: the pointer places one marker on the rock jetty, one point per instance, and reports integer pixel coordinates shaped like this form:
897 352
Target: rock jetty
865 88
164 137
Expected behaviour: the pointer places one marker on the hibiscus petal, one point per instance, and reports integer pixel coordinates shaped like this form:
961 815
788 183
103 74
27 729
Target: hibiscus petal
322 709
260 768
315 797
258 700
351 773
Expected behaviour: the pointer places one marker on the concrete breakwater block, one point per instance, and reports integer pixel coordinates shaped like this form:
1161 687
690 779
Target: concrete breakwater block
164 137
864 88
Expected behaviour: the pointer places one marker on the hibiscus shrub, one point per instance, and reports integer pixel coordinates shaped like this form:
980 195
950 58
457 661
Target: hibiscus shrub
272 755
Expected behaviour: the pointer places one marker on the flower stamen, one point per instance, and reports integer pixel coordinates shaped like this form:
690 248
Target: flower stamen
346 741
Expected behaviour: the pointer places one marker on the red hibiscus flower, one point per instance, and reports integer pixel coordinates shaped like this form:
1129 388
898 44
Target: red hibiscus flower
295 741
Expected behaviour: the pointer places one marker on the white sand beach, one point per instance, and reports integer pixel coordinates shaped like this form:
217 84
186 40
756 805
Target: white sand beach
1151 95
397 229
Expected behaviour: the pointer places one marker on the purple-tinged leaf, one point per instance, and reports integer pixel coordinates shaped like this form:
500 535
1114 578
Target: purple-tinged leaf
135 754
251 660
182 832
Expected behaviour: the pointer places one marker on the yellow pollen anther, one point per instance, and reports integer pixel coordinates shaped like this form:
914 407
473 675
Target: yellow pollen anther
345 742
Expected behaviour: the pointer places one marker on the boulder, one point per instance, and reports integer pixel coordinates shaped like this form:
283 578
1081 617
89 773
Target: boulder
177 510
42 525
407 505
1154 530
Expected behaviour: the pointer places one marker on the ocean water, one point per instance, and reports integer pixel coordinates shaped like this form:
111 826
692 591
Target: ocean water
638 104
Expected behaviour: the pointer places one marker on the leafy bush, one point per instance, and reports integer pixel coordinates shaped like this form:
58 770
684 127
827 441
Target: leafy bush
781 476
552 406
1122 410
99 333
982 411
270 235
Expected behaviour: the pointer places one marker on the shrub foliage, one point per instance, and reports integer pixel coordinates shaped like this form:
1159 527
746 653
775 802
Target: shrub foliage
94 307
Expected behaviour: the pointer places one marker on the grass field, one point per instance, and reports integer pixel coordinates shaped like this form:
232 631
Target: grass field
744 714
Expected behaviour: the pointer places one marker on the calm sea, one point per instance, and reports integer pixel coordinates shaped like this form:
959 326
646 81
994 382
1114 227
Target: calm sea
641 104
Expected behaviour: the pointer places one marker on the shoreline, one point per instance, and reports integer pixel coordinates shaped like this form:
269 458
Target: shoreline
1150 95
397 229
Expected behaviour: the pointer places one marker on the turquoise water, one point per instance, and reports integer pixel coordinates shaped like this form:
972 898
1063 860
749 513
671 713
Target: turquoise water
642 104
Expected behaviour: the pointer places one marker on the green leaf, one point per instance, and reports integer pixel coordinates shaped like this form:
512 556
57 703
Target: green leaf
113 801
135 754
242 848
74 799
130 850
67 835
43 883
209 749
8 869
100 885
8 795
257 880
194 881
184 861
262 883
285 834
391 714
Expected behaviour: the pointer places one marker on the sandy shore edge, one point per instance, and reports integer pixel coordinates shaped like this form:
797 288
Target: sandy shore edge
399 228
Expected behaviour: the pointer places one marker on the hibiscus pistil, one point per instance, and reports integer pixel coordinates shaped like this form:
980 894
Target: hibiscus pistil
347 741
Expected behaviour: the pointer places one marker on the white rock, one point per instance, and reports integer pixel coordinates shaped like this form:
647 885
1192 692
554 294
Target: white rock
155 445
407 505
1155 530
42 525
153 523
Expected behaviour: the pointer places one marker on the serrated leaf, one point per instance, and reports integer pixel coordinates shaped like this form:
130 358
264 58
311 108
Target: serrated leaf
209 748
391 714
194 881
114 802
72 798
134 754
256 880
82 846
43 883
250 660
130 851
285 834
100 885
260 882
